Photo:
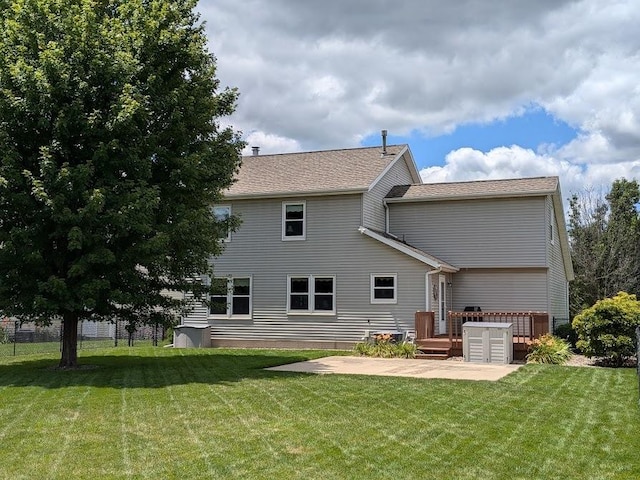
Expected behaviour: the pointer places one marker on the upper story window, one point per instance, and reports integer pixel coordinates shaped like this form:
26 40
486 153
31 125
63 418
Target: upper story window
230 297
294 217
222 214
384 288
312 294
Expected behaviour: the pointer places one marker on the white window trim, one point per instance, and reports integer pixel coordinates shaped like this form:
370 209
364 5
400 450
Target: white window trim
228 237
285 238
229 314
388 301
311 293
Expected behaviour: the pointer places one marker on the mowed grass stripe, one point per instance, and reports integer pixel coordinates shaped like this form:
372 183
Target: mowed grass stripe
386 433
74 403
322 430
164 413
186 421
601 424
27 397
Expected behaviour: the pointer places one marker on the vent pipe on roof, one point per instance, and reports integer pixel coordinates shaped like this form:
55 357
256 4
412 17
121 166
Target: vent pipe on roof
384 142
256 151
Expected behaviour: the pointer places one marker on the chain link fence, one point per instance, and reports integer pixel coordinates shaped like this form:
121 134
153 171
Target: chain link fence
24 338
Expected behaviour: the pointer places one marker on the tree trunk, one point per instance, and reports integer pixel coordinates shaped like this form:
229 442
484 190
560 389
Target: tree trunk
69 341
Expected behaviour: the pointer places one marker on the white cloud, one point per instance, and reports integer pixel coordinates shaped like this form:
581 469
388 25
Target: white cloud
269 143
514 162
502 162
326 74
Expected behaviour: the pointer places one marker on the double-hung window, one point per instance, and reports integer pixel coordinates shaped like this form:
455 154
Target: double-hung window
294 218
222 213
311 294
230 297
384 288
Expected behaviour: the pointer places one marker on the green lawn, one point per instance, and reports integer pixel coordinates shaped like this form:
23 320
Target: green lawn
28 348
162 413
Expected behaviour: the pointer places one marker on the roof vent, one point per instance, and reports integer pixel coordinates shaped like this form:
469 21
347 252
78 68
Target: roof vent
384 142
256 151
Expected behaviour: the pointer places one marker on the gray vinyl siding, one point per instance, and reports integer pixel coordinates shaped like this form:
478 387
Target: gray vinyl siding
558 299
476 233
333 246
373 207
508 290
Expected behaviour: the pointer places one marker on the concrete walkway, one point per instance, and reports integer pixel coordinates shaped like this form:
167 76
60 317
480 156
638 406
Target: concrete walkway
397 367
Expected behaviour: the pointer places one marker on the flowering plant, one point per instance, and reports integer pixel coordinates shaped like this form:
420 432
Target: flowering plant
549 349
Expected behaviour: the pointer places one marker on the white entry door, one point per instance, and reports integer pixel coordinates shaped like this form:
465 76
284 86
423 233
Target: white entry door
442 304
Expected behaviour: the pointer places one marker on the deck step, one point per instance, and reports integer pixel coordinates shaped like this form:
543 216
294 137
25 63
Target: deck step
434 342
432 356
435 349
441 351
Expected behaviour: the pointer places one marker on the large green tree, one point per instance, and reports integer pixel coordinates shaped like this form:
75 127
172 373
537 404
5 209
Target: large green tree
605 243
111 155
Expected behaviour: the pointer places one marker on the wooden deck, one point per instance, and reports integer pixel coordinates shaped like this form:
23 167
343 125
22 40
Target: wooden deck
527 326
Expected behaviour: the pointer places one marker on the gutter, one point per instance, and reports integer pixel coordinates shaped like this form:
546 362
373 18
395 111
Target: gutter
317 193
441 198
386 215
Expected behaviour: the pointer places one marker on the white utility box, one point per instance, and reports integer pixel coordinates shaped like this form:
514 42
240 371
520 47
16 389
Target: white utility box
487 342
192 336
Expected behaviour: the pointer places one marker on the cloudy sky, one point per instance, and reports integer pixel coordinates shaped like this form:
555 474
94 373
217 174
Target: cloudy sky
478 89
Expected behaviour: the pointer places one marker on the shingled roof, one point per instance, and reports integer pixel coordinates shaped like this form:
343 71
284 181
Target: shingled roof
476 189
312 173
404 247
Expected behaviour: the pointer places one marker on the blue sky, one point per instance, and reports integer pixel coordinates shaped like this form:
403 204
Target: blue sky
533 129
505 89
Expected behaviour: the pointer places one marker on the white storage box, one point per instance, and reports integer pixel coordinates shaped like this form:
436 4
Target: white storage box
487 342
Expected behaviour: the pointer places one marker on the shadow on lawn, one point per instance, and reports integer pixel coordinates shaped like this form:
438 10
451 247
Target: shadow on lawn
145 371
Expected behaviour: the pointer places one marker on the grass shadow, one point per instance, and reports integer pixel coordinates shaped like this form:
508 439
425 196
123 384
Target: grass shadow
151 368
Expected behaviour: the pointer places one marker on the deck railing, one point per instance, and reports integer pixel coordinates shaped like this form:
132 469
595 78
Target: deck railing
526 325
425 325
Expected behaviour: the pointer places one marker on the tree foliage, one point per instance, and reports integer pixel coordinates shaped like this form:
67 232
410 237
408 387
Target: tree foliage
605 244
607 329
111 156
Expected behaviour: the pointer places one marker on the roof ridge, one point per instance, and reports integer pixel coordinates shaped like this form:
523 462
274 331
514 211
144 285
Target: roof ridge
324 151
485 180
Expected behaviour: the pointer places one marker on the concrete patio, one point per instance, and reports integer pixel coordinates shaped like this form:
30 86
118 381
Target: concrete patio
396 367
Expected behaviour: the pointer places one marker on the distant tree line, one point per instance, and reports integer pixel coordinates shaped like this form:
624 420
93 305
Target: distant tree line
604 232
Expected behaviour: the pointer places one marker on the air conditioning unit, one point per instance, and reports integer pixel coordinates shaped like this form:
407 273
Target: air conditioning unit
192 336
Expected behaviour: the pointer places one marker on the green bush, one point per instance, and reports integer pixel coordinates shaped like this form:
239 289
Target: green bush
567 333
364 349
384 346
549 349
607 329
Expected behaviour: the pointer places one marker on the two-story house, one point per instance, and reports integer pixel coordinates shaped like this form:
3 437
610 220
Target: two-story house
336 243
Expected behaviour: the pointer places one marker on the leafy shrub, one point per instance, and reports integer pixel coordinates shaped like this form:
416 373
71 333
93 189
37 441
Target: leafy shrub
364 349
385 346
567 333
406 350
549 349
607 329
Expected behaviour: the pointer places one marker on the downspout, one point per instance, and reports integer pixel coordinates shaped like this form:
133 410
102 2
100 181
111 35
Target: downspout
386 216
